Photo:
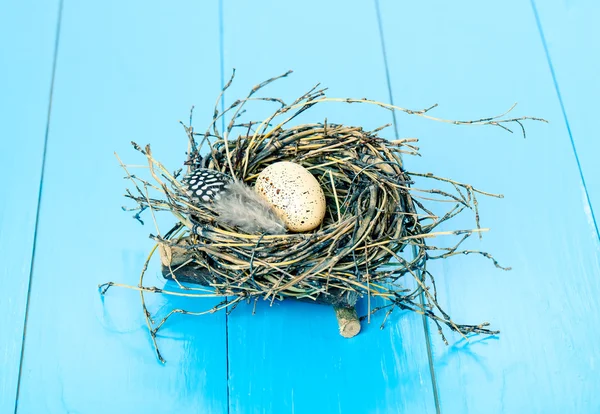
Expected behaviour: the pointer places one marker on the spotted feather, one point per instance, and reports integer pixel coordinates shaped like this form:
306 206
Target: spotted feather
205 185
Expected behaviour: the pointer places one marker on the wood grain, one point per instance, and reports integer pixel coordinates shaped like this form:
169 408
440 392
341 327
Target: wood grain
311 368
126 71
568 30
475 60
130 70
27 34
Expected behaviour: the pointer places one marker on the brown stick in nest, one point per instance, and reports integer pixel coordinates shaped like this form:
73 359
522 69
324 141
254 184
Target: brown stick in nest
177 266
375 212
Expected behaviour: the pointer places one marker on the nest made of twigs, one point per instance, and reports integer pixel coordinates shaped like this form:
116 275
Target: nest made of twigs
370 216
374 233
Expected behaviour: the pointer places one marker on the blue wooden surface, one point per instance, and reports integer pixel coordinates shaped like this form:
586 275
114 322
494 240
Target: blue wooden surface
570 30
117 81
304 364
27 33
131 71
544 361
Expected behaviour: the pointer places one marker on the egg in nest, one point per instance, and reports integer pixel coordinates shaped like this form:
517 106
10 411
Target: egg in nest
294 193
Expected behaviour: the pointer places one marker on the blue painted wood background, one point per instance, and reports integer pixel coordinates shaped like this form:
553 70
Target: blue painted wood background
79 80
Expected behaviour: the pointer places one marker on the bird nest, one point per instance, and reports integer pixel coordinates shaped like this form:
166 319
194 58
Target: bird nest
372 243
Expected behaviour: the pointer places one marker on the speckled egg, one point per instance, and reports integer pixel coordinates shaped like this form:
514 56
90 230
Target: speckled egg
294 193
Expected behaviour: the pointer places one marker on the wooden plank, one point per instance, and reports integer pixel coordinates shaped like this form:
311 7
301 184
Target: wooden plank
290 357
568 29
27 32
476 59
126 71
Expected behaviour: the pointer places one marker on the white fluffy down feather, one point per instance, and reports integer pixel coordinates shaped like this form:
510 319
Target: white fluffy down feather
238 205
